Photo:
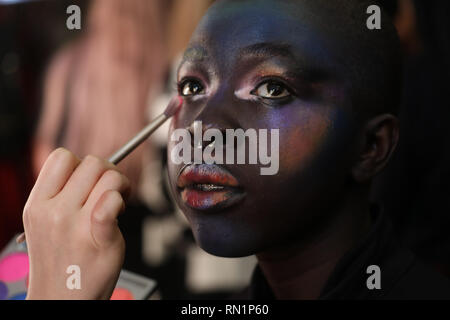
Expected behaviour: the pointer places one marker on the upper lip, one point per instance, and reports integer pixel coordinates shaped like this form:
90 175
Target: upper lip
204 174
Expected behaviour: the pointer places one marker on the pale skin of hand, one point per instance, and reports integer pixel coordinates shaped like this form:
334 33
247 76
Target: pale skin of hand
70 218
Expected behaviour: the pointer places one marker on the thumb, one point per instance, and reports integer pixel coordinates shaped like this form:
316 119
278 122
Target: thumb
104 228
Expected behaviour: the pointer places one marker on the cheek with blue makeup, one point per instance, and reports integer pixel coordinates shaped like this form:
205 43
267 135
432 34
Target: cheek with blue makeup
311 135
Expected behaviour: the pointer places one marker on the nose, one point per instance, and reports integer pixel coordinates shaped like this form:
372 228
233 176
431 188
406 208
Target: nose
219 112
197 131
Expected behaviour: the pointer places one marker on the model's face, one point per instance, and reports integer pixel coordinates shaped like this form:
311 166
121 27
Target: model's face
259 67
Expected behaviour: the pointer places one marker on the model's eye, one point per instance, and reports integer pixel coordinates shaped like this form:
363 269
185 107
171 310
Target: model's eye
272 90
191 88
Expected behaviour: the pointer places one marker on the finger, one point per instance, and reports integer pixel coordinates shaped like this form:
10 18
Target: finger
110 180
104 229
84 178
57 169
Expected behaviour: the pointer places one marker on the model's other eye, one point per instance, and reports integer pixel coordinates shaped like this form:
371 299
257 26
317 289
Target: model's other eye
272 90
191 88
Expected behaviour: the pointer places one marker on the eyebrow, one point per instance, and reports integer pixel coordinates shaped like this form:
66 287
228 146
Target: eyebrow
259 50
266 50
303 66
262 51
195 54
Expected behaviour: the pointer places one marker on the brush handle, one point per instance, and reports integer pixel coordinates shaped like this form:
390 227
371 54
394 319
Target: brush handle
138 139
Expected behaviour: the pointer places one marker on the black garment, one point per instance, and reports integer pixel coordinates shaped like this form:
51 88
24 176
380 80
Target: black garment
402 275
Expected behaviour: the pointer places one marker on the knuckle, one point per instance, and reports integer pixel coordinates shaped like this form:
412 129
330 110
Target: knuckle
95 162
114 178
111 201
27 215
114 196
100 216
62 154
92 159
31 210
60 151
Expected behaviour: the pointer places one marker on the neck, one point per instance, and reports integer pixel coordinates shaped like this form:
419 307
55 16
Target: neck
301 269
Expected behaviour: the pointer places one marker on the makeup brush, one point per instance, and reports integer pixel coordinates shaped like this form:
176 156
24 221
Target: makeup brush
172 108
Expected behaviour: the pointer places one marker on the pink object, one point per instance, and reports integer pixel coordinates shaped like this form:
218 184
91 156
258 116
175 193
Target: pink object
14 267
122 294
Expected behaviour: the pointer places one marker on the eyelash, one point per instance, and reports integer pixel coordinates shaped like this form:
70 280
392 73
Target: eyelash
180 85
265 80
268 79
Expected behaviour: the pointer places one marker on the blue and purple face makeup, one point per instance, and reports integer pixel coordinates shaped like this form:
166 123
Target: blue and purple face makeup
267 64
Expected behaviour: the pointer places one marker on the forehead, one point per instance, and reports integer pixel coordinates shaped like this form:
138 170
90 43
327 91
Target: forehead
232 26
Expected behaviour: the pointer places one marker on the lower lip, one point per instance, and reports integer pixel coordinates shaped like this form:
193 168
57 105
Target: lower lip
202 200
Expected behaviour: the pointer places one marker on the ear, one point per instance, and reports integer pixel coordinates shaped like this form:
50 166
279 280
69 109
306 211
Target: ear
380 138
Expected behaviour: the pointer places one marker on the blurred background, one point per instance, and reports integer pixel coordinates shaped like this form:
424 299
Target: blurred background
91 89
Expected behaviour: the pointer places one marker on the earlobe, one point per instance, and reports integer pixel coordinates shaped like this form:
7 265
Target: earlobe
380 138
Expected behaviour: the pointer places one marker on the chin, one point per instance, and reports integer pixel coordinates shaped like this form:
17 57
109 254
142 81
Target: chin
225 249
225 240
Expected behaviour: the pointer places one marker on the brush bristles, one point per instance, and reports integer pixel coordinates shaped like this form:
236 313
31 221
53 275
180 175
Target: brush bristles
173 106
